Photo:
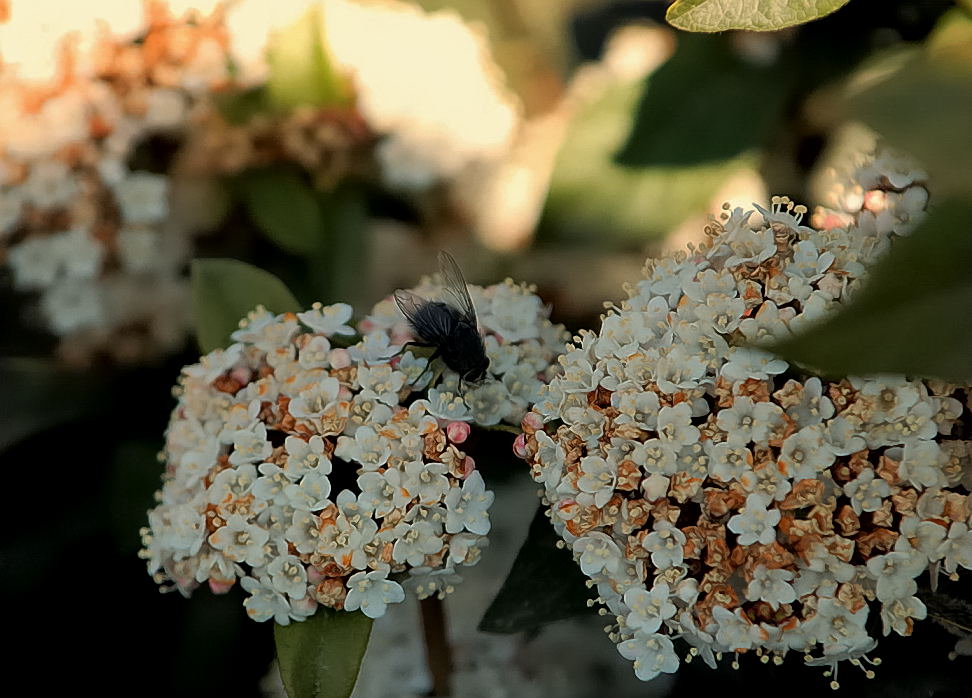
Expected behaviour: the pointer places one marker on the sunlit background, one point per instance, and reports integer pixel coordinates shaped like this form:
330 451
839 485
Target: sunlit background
340 145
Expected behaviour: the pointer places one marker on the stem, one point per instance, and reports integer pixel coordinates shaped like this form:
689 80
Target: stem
437 649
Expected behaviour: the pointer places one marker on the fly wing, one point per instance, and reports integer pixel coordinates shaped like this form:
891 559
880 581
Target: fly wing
409 304
432 322
455 286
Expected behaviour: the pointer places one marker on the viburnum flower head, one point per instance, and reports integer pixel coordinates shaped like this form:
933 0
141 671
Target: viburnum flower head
100 240
311 477
716 494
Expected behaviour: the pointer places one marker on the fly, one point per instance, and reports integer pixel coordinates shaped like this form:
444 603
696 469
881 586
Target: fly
448 326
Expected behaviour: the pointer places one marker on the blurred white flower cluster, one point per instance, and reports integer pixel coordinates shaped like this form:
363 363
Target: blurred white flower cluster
309 473
521 343
714 493
111 140
425 81
86 221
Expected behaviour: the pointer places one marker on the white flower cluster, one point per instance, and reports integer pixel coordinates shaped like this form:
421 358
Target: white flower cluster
437 116
521 343
312 474
82 225
714 493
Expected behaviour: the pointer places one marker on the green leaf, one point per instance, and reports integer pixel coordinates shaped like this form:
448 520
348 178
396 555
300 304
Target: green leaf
675 125
284 207
320 657
225 290
238 107
39 395
301 69
338 266
749 15
544 585
648 154
923 107
911 317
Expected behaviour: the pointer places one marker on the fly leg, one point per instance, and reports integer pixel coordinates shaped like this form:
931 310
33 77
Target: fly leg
432 357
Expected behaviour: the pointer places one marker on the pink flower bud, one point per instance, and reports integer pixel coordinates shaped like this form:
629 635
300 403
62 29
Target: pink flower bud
314 575
875 201
468 466
220 586
340 358
241 374
457 432
520 447
531 423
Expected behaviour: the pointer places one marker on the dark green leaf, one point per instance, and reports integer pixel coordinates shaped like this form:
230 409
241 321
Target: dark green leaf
749 15
923 106
301 69
544 585
320 657
338 266
912 317
225 290
284 207
240 106
647 154
39 394
675 125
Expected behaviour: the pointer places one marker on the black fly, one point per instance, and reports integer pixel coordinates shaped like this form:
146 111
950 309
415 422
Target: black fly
450 327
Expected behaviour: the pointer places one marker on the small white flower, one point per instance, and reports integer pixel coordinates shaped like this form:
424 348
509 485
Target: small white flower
250 445
735 631
414 541
311 492
288 576
755 523
367 447
425 481
747 421
597 477
675 427
381 492
896 614
265 602
314 400
922 464
656 457
240 540
665 545
328 320
729 462
747 362
843 437
597 553
805 454
957 547
867 492
812 407
772 586
303 456
648 609
487 404
468 508
895 573
372 592
652 654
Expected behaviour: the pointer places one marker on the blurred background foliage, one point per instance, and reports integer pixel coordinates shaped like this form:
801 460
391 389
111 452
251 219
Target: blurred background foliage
624 134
